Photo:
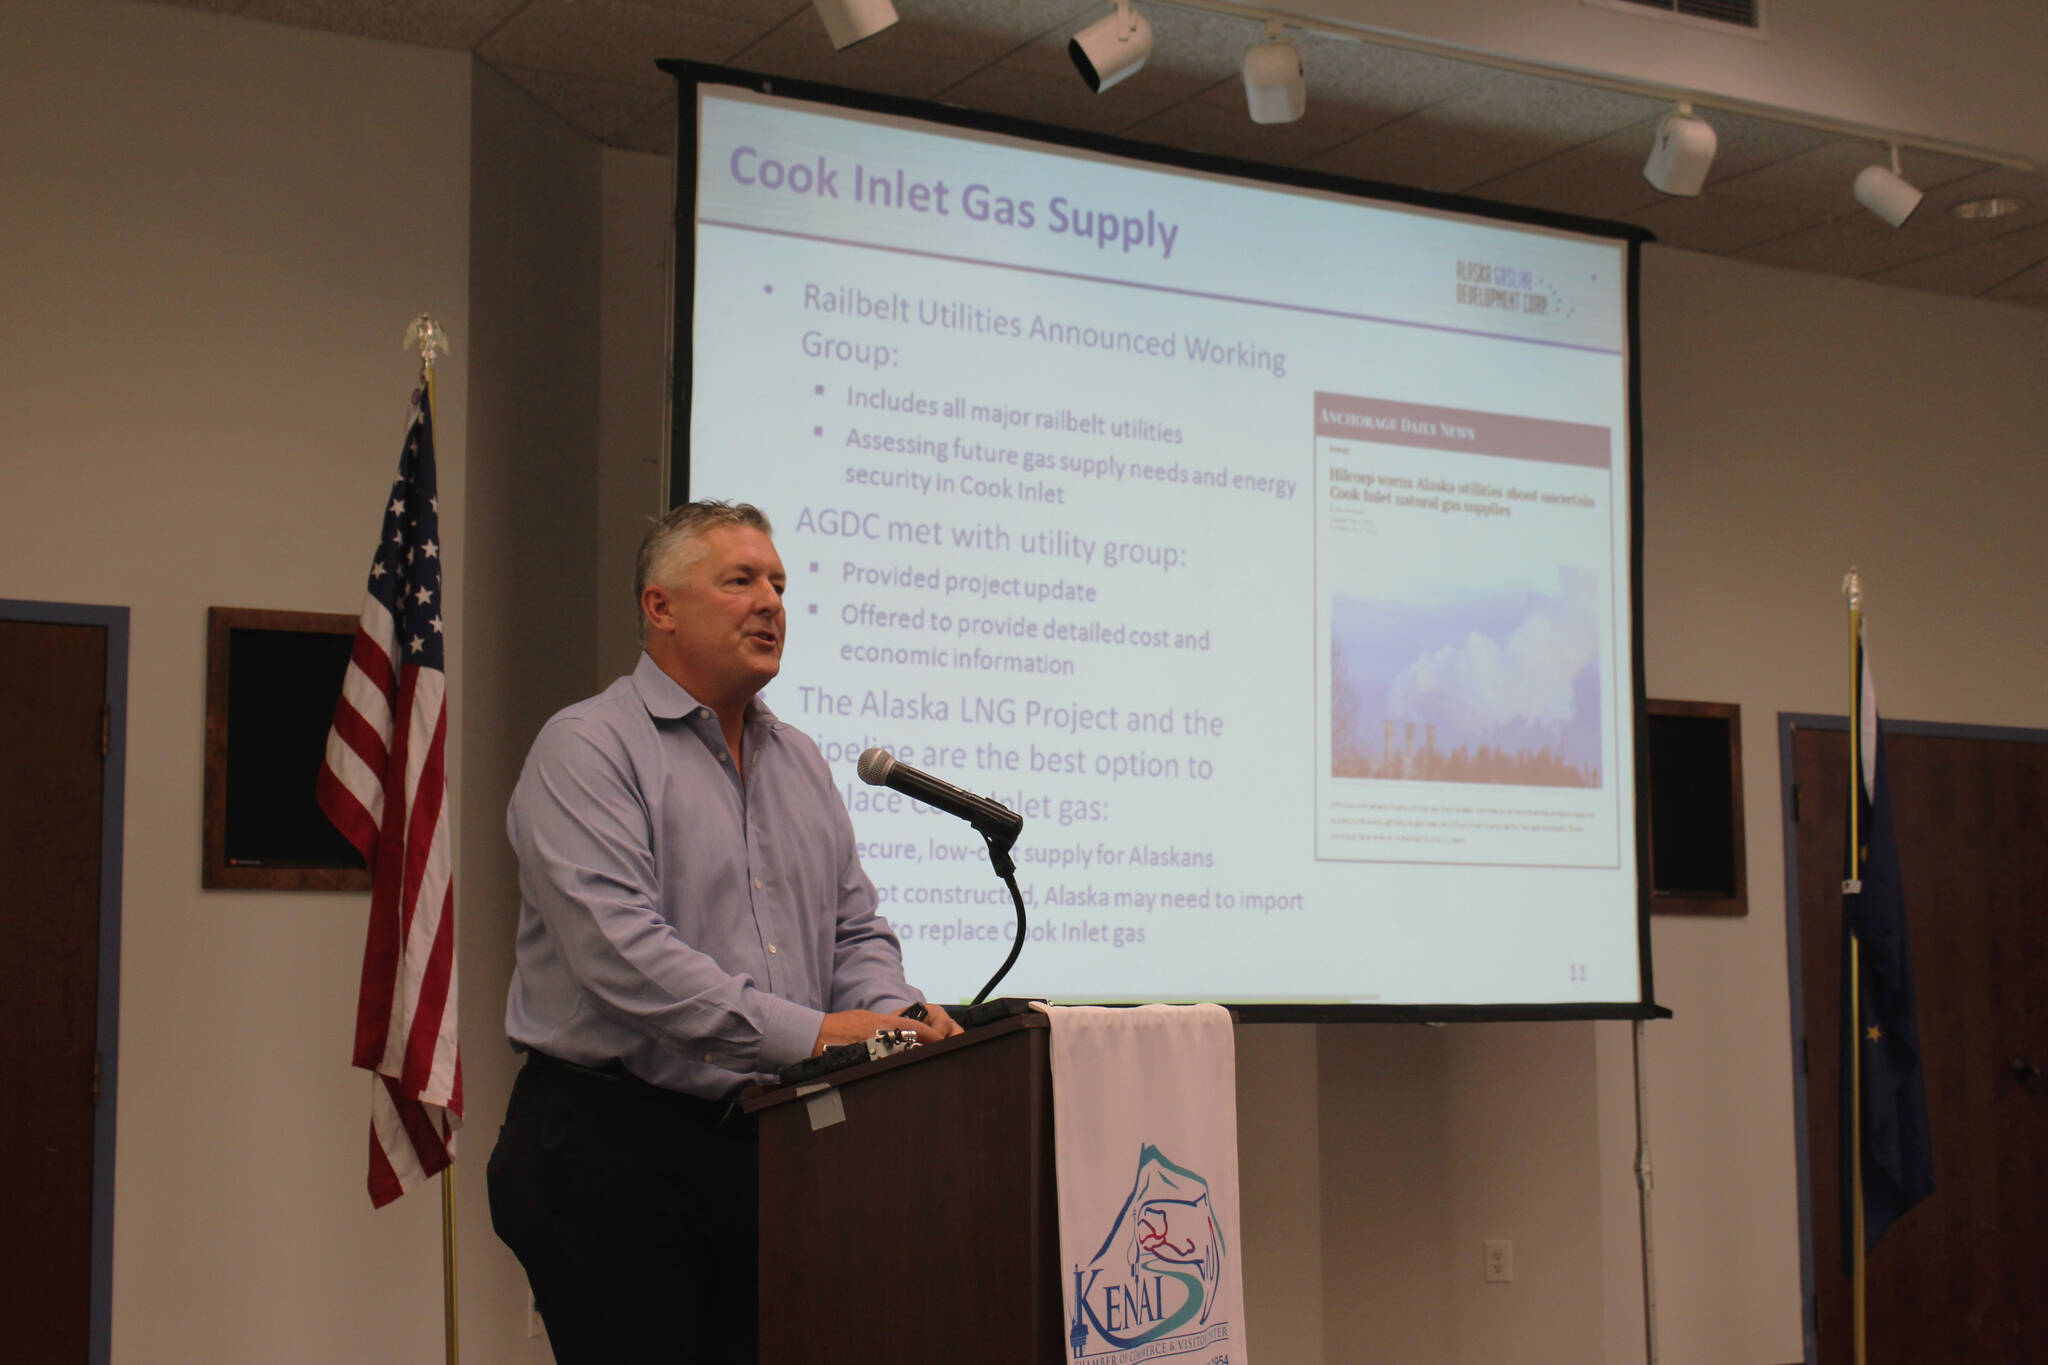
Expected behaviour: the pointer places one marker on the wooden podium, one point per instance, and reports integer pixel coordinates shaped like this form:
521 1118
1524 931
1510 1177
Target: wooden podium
923 1226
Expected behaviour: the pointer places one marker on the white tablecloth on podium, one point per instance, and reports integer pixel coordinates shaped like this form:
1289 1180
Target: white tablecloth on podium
1145 1131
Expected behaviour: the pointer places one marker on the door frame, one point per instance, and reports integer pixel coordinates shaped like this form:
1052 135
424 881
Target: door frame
107 1001
1788 722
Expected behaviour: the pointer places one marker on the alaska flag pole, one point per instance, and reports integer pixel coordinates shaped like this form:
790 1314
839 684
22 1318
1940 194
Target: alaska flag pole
1852 1126
1888 1164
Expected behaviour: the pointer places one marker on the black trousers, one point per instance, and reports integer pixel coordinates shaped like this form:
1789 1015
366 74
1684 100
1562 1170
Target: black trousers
633 1211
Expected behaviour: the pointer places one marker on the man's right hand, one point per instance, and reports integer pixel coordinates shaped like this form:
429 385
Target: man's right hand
855 1026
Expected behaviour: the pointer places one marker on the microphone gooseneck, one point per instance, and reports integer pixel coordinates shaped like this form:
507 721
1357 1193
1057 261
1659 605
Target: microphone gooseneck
997 824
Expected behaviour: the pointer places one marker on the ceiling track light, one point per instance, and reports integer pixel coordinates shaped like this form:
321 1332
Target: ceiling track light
849 21
1111 48
1886 193
1274 89
1682 154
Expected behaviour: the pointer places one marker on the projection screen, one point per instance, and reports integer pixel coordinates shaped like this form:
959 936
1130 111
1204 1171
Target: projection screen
1270 547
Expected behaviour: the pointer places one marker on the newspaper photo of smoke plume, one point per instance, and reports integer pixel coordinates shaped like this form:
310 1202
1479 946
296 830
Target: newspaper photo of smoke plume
1468 673
1502 690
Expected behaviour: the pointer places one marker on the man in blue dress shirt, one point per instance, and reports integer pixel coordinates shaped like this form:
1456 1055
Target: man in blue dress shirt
693 918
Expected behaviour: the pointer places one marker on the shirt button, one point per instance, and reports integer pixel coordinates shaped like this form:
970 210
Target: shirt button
757 883
703 713
725 758
771 947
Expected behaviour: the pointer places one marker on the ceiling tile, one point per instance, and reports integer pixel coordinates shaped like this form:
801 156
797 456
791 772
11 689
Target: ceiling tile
458 24
216 6
2030 286
613 40
975 31
1974 269
1743 144
654 132
1859 244
1059 100
1600 179
1422 161
2017 184
1204 47
750 12
1548 114
1224 130
1718 225
802 54
1821 179
1372 85
599 108
1929 169
1485 132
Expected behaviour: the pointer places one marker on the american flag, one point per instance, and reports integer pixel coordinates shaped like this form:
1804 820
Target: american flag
383 785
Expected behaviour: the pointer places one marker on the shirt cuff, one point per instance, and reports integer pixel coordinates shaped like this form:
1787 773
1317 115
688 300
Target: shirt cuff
789 1031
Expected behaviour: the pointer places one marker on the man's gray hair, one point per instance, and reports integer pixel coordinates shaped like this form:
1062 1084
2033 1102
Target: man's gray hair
675 542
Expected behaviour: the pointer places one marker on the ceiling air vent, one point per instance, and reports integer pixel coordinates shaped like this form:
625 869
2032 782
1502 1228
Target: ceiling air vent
1743 14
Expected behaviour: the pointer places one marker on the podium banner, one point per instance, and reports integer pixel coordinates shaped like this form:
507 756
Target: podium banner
1145 1145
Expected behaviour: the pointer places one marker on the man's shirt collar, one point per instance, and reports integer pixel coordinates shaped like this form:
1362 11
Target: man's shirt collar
666 699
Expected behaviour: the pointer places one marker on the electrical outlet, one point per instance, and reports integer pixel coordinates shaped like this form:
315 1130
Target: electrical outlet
532 1316
1500 1261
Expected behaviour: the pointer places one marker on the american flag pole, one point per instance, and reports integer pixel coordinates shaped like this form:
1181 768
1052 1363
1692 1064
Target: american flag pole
383 785
430 340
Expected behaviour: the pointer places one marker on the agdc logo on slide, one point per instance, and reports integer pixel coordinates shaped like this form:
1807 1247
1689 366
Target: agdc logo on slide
1151 1286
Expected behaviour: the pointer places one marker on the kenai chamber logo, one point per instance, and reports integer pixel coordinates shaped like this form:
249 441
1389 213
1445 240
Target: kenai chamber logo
1150 1289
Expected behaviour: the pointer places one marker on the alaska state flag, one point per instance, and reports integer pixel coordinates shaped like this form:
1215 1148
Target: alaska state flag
1898 1153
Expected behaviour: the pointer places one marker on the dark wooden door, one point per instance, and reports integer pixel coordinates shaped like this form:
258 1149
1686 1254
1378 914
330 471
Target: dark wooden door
1959 1277
52 693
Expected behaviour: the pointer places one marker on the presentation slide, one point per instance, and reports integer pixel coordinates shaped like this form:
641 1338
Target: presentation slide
1266 549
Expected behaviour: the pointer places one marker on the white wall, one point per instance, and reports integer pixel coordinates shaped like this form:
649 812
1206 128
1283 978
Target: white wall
214 234
1796 425
1387 1258
1436 1140
1521 1147
1280 1167
531 532
637 288
1943 71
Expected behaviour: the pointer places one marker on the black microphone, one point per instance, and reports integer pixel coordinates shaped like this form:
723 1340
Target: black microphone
996 822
